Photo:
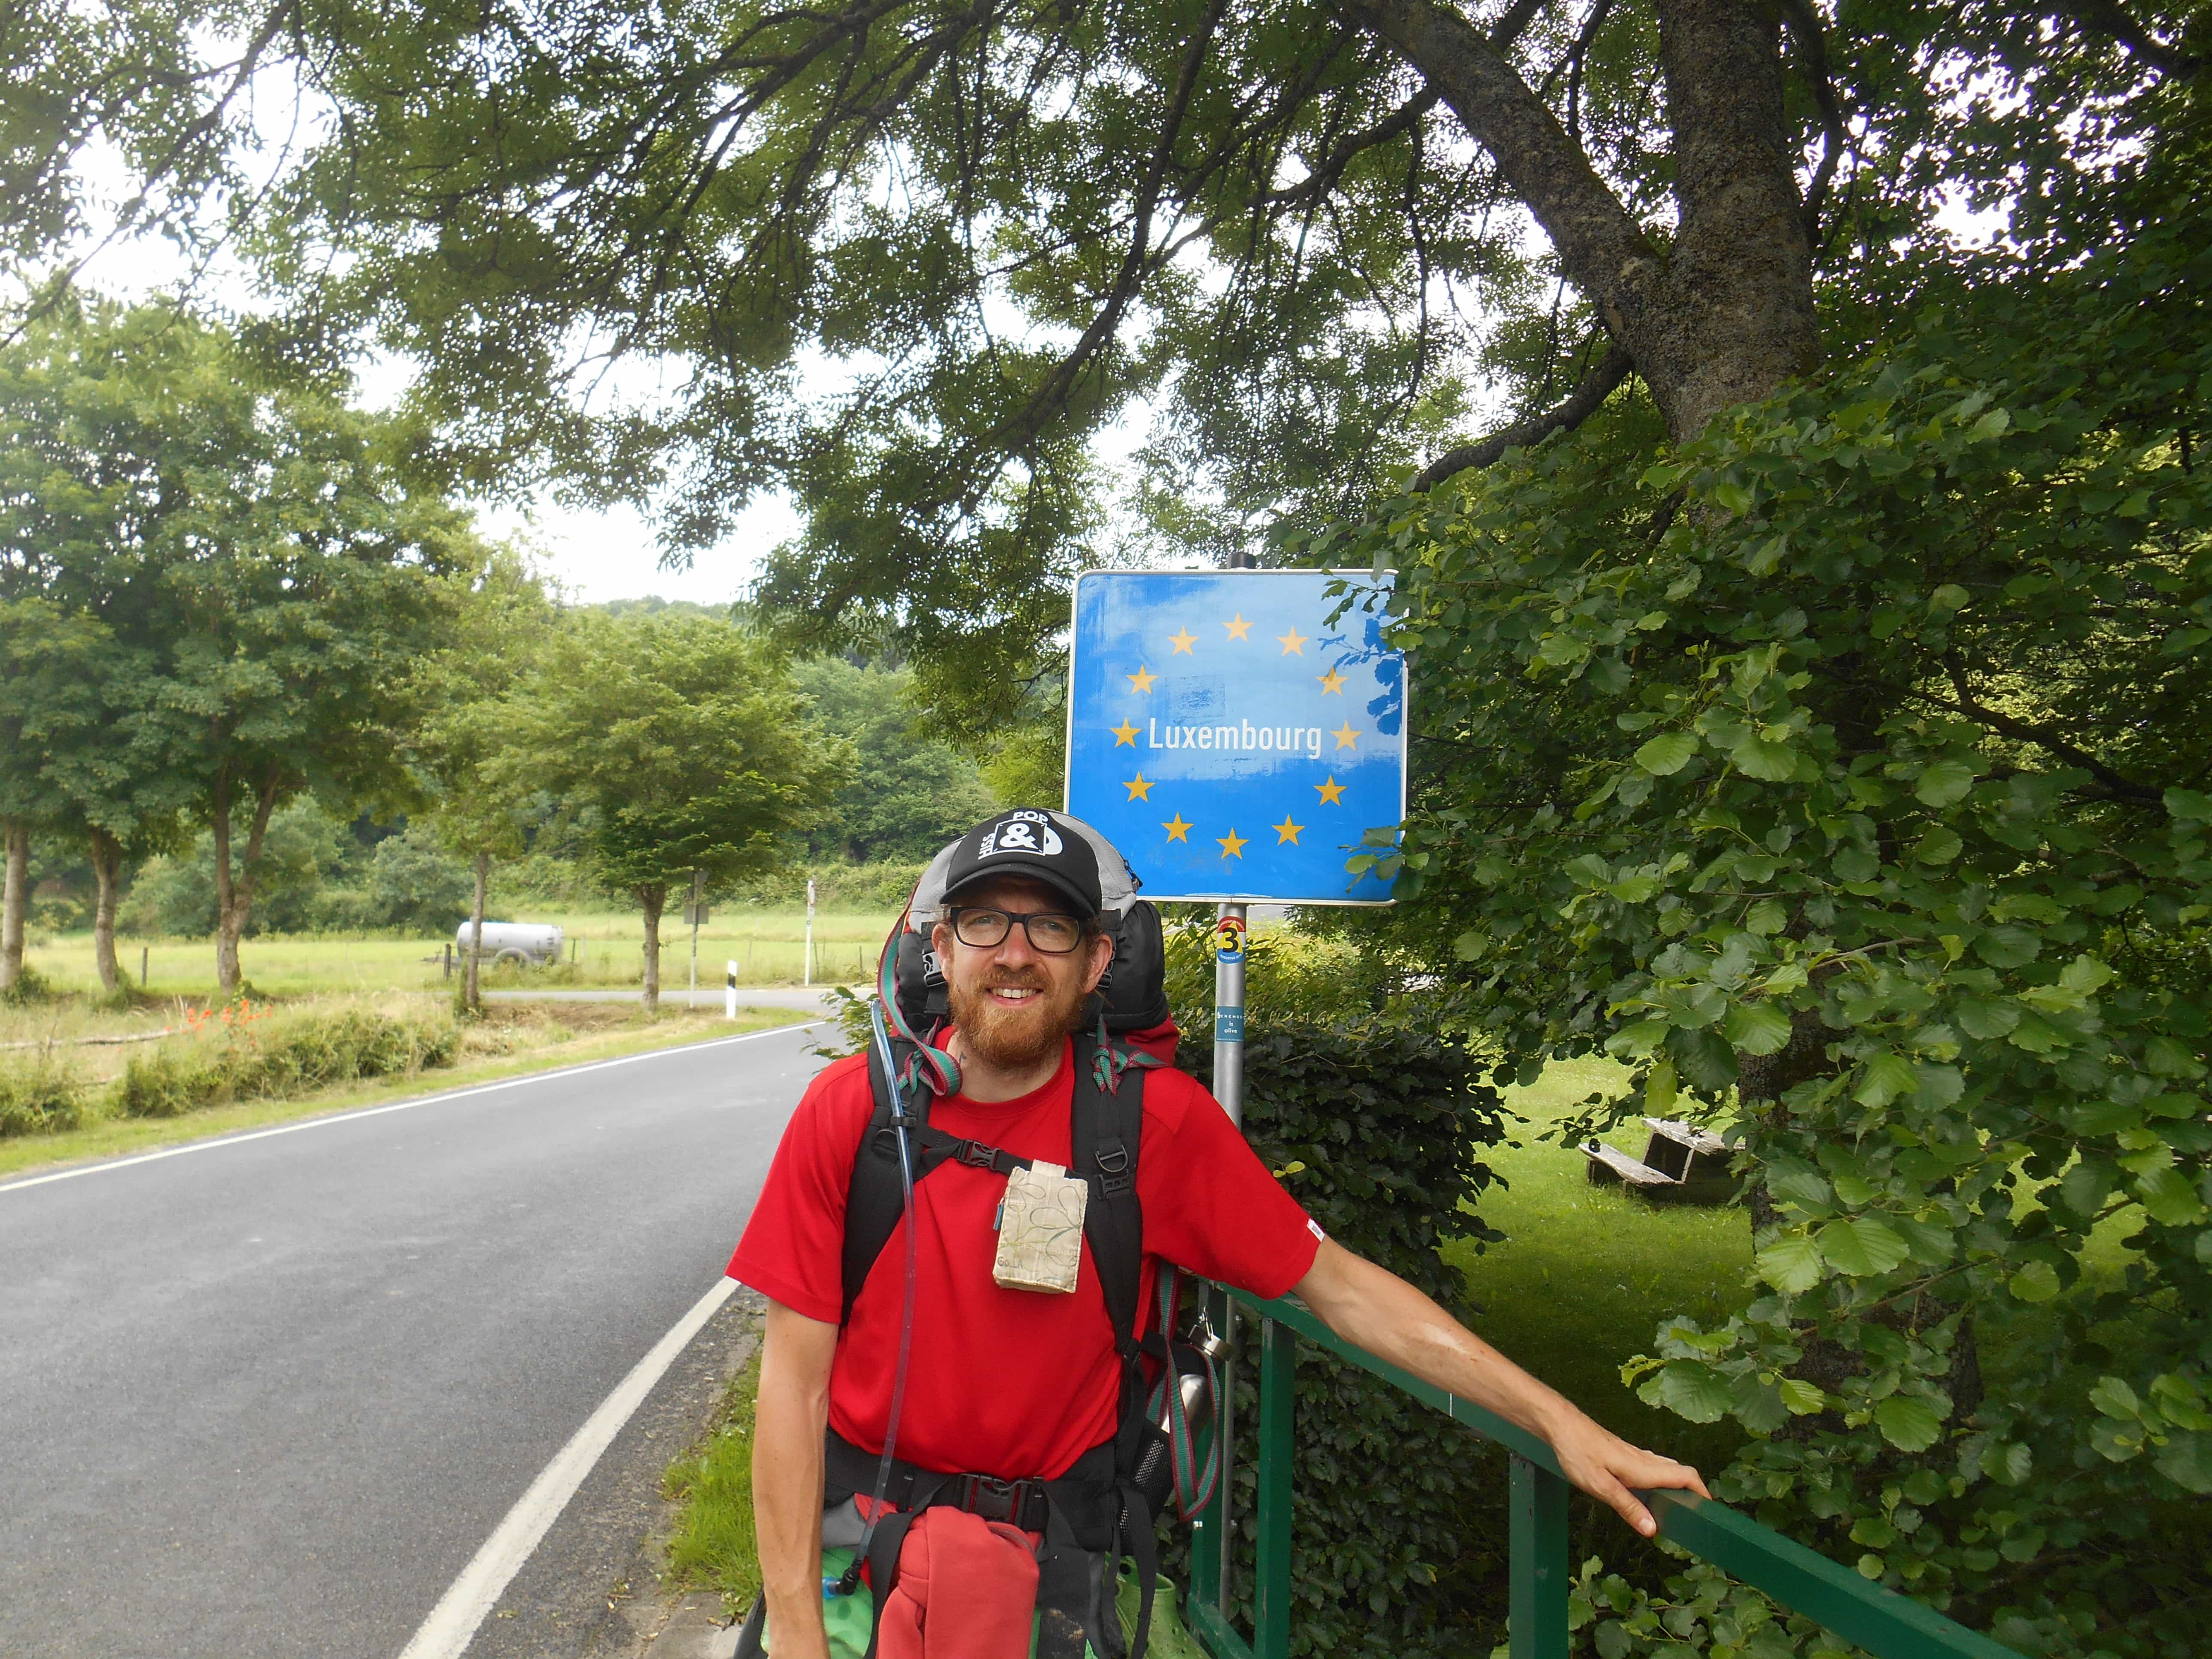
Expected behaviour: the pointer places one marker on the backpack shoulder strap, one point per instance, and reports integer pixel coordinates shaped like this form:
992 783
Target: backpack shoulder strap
875 1197
1105 1140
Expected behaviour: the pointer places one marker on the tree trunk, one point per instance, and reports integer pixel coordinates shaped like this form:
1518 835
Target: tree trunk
470 998
1721 313
650 899
107 870
233 887
17 901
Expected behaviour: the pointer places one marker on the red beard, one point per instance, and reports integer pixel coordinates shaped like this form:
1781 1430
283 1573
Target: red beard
1023 1035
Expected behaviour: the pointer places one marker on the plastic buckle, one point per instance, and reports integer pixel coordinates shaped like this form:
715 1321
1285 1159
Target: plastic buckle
976 1156
1113 1159
990 1499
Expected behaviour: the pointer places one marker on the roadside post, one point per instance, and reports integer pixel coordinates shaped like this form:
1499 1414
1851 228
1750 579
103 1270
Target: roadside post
730 992
694 913
1274 740
810 931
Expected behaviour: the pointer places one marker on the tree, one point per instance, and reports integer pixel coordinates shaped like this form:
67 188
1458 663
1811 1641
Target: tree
477 804
682 744
908 795
256 550
74 719
1846 775
1307 232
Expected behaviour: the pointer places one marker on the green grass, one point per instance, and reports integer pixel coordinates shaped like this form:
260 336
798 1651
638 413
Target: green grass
713 1545
1586 1273
768 945
501 1045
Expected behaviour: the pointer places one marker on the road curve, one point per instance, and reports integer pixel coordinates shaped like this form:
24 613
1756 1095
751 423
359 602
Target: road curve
267 1399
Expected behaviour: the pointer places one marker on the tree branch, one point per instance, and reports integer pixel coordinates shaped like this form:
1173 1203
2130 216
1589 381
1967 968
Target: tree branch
2110 17
1597 386
1605 252
2028 731
1322 179
1812 47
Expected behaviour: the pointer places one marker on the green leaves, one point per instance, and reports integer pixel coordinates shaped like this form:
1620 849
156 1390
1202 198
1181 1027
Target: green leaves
1943 782
1760 757
1862 1246
1756 1028
1667 754
1792 1265
1908 1422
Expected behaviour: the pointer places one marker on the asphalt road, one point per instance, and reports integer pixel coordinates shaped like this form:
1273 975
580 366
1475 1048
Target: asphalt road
266 1398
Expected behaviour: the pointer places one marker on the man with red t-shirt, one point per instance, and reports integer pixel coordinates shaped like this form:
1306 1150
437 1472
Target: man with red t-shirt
1017 1383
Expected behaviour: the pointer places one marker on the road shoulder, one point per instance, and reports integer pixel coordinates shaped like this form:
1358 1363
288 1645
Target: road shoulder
112 1137
592 1589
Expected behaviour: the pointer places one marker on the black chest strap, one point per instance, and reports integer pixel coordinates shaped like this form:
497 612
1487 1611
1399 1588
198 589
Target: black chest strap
1106 1129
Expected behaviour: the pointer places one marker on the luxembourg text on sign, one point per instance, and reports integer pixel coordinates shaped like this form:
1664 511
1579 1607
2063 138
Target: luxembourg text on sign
1228 738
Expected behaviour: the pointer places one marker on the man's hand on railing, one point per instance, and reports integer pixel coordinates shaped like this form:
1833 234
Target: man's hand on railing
1374 1309
1610 1470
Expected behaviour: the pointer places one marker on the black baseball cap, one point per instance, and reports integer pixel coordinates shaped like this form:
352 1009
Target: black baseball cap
1032 842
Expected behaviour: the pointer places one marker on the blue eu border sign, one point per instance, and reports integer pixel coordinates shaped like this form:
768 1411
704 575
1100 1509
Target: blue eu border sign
1231 740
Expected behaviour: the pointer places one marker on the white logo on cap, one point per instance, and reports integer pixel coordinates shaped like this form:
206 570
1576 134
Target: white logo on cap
1014 834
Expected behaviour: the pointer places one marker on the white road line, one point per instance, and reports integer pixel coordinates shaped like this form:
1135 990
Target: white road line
396 1106
451 1625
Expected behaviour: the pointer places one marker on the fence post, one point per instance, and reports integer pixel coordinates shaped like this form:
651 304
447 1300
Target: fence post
1271 1575
1539 1532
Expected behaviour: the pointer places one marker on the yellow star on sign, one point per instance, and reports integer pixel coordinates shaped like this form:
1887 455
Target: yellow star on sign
1332 792
1332 681
1177 829
1239 629
1232 844
1142 679
1125 732
1139 787
1294 643
1346 737
1286 831
1182 639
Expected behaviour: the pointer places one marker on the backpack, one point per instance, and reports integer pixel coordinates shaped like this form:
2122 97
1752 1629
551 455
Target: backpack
1100 1509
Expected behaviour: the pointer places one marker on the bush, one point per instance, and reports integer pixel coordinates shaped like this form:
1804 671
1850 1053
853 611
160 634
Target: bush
1395 1541
30 987
40 1098
248 1059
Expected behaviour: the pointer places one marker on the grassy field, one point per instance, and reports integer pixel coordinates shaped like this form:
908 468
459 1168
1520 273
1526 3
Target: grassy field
607 949
509 1040
1586 1273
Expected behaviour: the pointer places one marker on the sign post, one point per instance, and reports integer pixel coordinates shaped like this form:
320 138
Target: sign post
694 913
1237 746
809 930
1229 1011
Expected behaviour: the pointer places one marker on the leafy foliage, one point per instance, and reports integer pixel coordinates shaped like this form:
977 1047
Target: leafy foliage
1391 1546
907 795
251 1054
1850 773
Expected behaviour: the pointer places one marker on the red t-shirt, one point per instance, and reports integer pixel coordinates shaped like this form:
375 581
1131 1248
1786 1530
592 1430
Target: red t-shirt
1008 1382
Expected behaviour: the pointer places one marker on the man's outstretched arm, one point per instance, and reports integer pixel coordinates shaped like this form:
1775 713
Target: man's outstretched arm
788 1422
1374 1309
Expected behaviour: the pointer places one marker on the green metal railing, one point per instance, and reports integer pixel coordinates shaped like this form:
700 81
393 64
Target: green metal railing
1885 1624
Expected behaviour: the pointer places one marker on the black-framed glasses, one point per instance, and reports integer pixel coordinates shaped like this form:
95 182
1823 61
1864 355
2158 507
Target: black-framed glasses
1053 932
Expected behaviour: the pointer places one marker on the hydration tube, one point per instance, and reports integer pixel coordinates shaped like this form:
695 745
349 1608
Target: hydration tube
851 1580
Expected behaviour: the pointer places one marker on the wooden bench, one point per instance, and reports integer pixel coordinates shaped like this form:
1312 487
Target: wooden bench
1682 1164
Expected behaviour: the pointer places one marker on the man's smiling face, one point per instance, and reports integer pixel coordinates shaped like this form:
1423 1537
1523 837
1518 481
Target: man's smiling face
1012 1002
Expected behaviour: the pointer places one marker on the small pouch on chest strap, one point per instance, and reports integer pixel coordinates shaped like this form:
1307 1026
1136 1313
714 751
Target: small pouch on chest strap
1040 1230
